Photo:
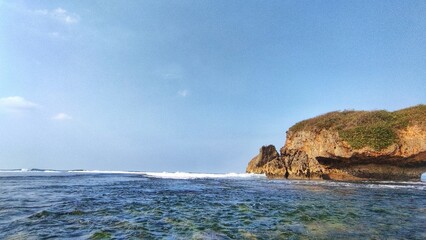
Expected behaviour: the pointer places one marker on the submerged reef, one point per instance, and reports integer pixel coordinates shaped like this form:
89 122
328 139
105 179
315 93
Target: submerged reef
350 145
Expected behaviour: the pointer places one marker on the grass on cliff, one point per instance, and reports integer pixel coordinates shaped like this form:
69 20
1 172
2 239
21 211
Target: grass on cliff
375 129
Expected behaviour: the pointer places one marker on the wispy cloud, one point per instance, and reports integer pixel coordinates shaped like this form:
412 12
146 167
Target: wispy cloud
61 117
62 15
59 14
183 93
20 106
54 34
170 72
17 104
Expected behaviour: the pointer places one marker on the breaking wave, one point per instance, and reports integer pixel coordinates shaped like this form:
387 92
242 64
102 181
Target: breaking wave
187 175
104 171
176 175
28 170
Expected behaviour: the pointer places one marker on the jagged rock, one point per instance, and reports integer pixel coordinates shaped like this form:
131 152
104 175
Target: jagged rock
385 146
267 162
299 165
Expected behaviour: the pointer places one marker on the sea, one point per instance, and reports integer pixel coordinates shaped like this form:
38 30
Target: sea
80 204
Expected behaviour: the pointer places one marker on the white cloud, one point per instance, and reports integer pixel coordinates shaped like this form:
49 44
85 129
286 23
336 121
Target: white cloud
54 34
64 16
59 14
183 93
61 117
17 103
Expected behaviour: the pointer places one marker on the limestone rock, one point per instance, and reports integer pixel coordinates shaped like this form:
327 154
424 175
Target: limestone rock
300 166
324 154
315 148
267 162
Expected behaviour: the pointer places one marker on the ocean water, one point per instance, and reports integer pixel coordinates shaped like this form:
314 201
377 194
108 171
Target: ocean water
48 204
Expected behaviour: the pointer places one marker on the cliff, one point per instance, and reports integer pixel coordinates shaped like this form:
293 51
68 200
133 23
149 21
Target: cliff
350 145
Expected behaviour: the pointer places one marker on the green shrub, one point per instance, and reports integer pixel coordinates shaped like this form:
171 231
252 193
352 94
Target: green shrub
375 129
377 137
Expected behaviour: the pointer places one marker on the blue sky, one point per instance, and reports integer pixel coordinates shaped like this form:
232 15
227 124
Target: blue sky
193 85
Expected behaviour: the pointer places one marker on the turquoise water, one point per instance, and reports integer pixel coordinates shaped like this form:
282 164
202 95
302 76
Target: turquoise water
58 205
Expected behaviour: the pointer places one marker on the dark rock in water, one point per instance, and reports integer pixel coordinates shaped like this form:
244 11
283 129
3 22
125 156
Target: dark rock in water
351 145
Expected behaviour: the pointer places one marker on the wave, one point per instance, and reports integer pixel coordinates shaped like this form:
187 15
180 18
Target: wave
170 175
364 184
190 175
175 175
187 175
25 170
104 171
12 170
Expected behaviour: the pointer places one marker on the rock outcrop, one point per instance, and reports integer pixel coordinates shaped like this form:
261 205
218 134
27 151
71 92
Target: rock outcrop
267 161
383 146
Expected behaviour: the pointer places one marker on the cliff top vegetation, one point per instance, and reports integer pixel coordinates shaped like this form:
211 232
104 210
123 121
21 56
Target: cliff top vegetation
375 129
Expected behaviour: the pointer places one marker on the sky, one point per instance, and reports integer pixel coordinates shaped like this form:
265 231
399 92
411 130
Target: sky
196 86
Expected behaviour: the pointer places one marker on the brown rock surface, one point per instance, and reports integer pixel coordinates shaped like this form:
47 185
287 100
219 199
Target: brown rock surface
320 153
267 162
324 155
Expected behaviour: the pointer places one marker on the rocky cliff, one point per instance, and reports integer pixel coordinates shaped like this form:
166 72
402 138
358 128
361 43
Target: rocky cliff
350 145
267 161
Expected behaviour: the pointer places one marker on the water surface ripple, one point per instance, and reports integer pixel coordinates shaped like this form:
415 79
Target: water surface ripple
130 206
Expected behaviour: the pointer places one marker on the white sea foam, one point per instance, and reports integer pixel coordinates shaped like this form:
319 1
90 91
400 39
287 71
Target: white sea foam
27 170
175 175
187 175
11 170
104 171
365 184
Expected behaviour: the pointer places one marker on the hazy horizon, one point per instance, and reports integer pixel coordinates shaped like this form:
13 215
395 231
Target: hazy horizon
193 86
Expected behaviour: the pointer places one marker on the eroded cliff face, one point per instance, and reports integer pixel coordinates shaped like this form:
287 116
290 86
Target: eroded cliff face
324 155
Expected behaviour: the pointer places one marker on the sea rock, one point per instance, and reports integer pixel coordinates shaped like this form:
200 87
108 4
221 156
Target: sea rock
267 162
325 155
387 146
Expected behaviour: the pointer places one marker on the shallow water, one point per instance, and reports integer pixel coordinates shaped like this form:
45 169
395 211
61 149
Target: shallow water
128 205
